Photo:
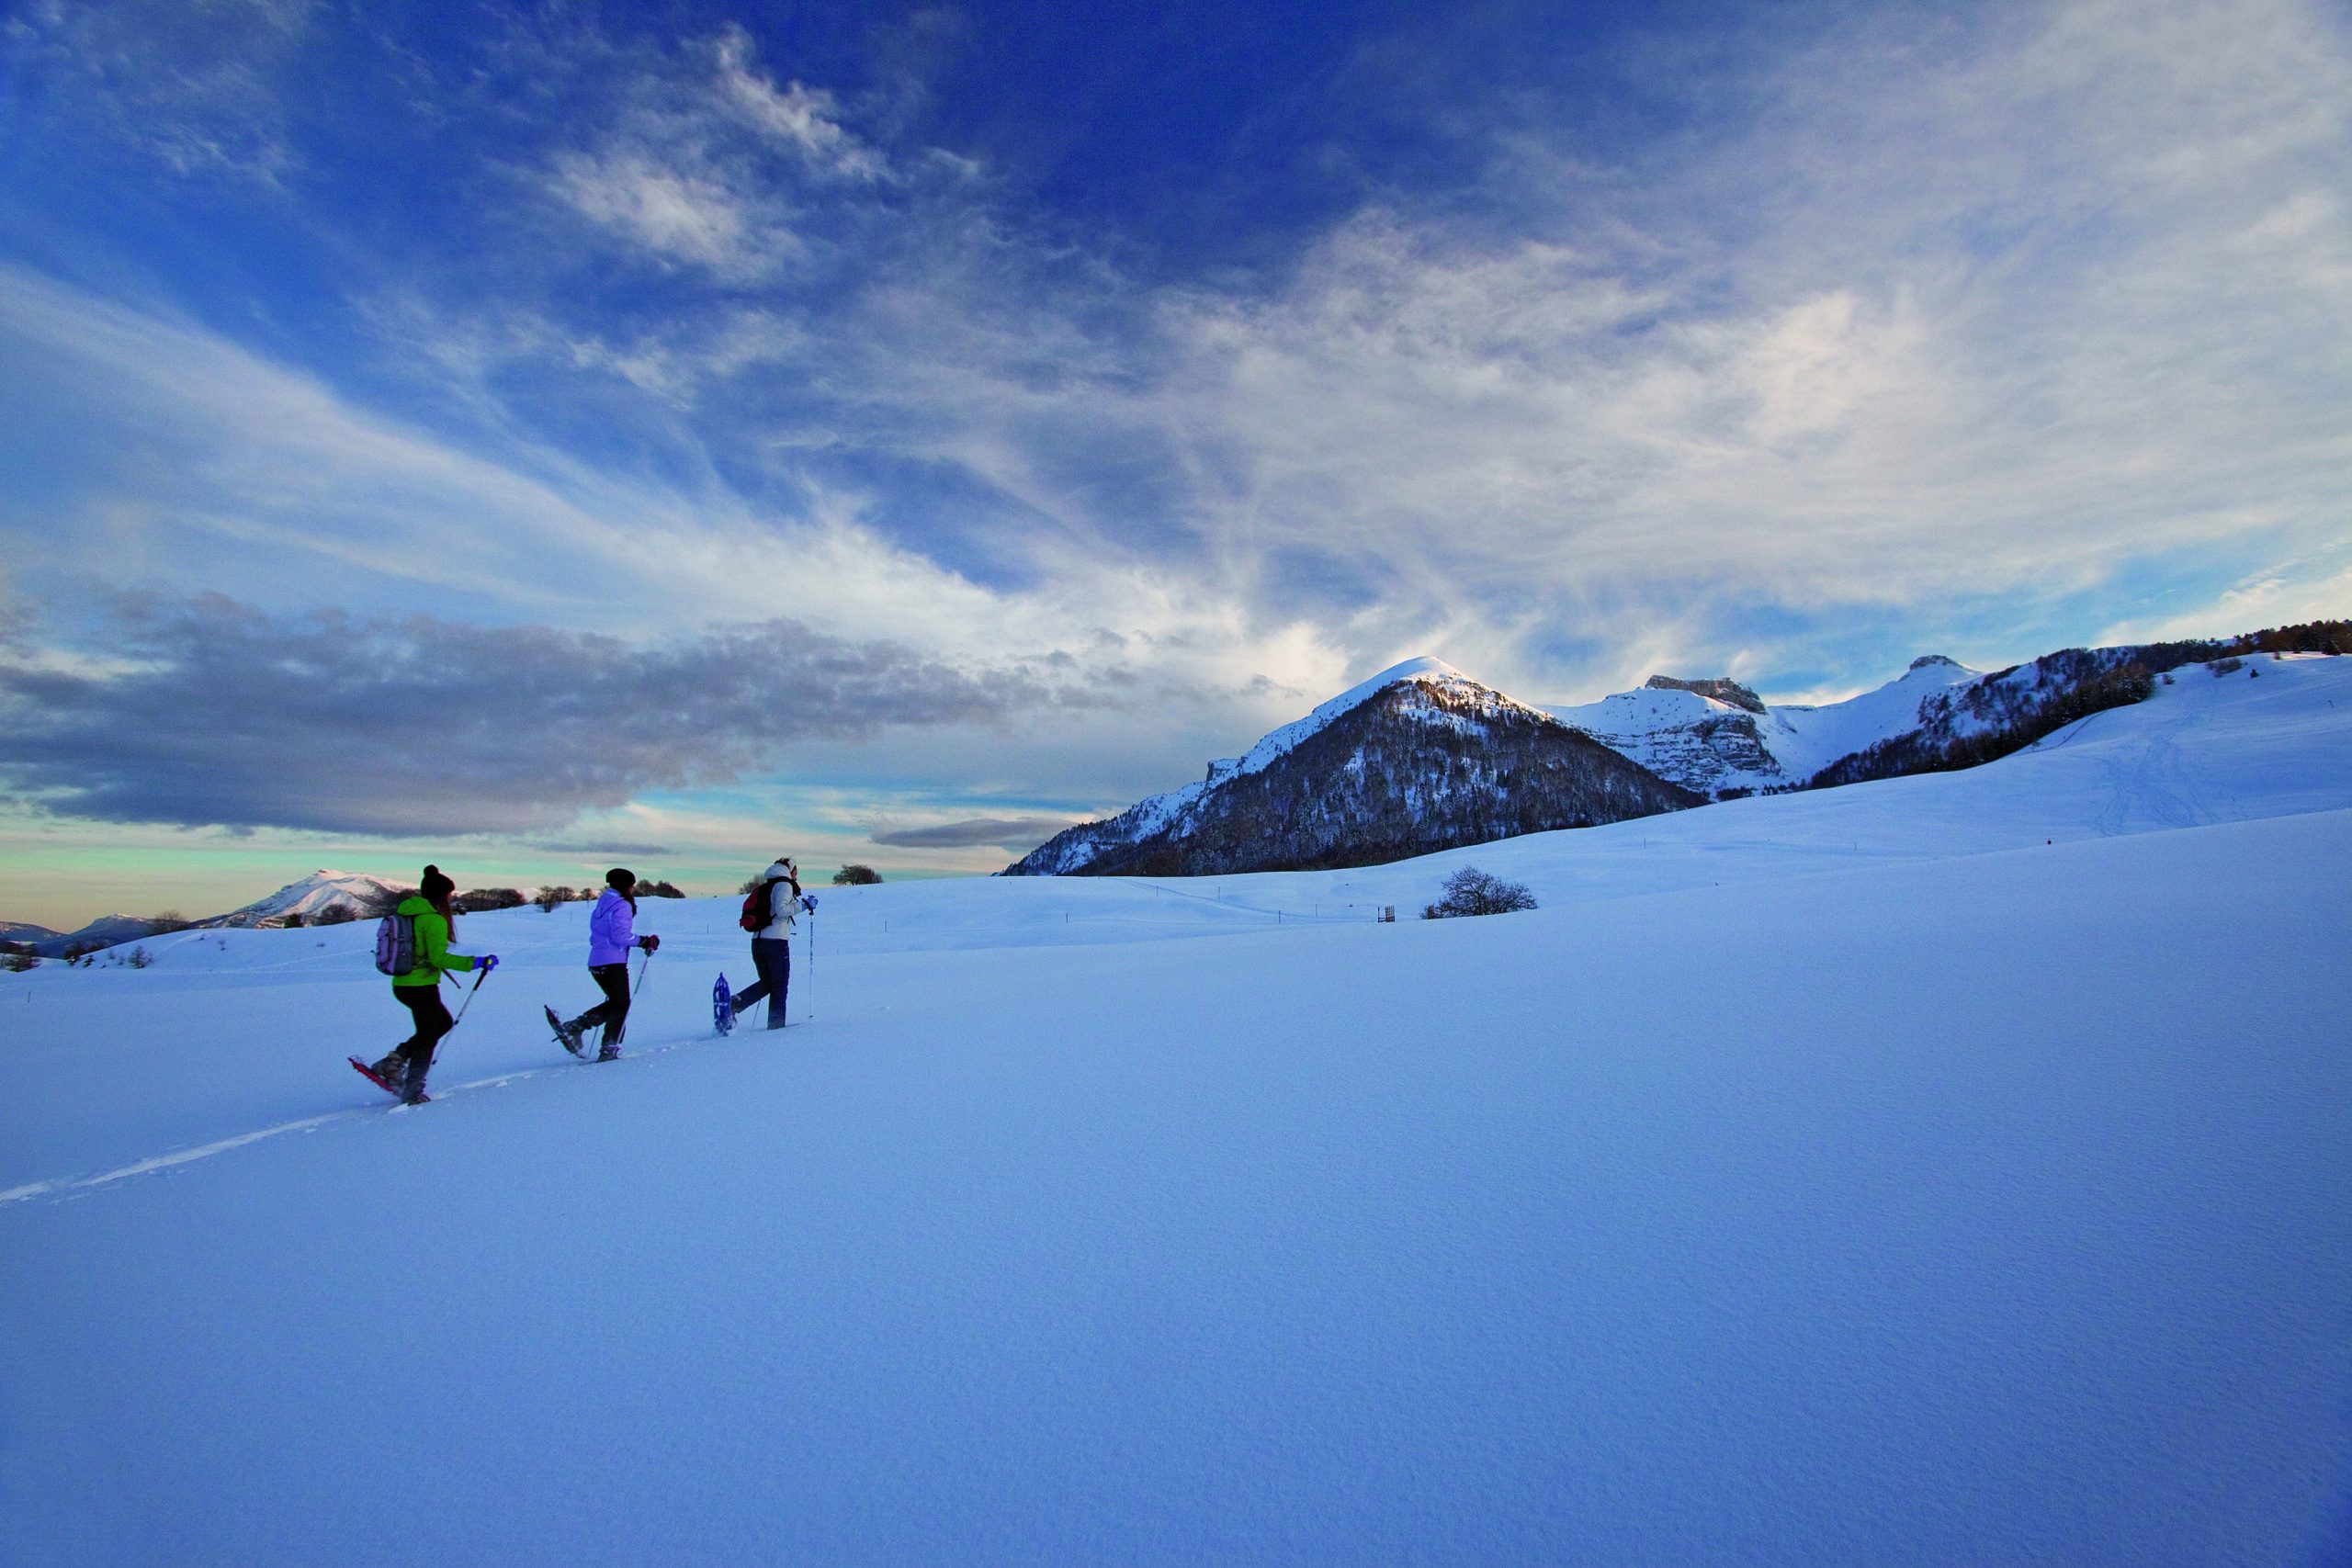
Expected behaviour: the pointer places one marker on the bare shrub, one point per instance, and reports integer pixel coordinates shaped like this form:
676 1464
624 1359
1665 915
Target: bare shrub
856 877
1473 892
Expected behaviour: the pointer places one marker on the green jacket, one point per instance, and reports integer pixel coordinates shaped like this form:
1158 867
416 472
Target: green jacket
433 955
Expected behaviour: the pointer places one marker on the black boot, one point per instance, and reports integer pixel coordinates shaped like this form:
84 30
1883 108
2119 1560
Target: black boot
566 1034
412 1087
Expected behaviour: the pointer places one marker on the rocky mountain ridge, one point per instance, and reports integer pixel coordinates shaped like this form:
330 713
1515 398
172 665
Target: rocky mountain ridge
1422 757
1419 758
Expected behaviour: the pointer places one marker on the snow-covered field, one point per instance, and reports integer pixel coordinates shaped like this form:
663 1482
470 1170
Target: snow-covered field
1951 1170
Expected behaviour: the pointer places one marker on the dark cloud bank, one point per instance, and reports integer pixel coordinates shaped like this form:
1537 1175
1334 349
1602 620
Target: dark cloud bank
232 717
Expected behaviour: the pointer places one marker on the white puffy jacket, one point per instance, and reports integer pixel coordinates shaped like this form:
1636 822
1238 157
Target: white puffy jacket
783 903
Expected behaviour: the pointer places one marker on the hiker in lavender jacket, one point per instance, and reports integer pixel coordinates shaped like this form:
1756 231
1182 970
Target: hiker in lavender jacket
612 932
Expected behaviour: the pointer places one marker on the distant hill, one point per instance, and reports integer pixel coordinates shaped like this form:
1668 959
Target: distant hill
320 898
106 930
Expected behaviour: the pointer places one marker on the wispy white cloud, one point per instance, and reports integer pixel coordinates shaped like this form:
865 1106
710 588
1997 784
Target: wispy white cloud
255 477
706 161
2281 593
197 88
679 215
807 119
2005 315
1942 316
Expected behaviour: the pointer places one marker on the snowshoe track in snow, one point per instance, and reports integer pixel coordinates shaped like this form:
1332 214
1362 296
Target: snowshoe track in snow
65 1186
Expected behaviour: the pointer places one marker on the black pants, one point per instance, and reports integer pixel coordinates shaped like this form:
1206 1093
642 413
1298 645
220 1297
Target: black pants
772 957
613 981
432 1021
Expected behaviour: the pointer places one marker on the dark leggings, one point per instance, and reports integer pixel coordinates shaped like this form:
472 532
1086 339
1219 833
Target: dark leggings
772 957
613 979
432 1021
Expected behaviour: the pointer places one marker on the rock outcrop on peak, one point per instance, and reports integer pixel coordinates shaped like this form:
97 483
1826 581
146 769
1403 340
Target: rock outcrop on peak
1719 690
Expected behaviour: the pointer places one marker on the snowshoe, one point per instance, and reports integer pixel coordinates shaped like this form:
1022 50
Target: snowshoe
373 1072
722 1007
565 1034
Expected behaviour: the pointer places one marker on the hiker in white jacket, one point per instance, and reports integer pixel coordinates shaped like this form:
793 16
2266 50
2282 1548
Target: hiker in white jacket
771 946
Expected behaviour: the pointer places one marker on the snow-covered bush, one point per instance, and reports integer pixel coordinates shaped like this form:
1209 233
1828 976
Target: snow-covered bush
1473 892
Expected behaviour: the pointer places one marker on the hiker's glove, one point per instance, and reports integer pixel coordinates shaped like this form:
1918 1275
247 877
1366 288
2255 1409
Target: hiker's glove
650 943
489 962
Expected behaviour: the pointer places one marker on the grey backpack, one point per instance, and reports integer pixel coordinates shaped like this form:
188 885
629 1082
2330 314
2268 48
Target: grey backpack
396 944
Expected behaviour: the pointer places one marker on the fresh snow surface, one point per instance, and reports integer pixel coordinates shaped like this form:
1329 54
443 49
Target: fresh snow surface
1851 1176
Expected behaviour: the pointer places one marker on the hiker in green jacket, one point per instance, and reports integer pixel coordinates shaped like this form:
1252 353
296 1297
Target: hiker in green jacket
403 1071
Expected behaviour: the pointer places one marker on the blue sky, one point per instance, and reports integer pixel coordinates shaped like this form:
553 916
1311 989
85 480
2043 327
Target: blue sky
505 435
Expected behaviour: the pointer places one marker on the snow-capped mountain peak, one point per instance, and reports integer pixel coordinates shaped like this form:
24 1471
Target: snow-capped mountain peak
1278 742
321 893
1420 756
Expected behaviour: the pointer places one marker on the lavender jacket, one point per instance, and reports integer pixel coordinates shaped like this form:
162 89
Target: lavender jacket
612 930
